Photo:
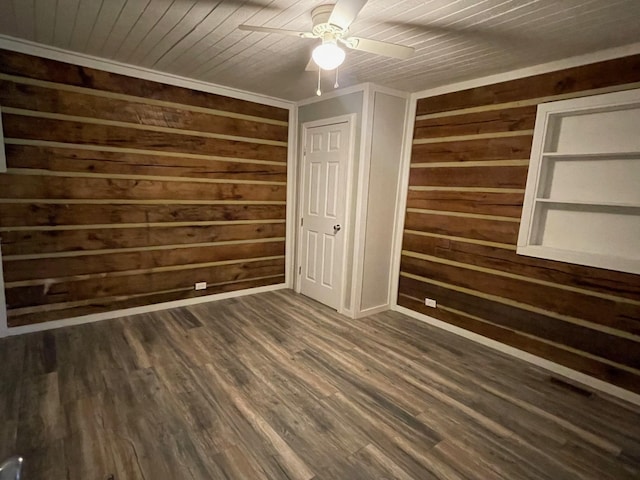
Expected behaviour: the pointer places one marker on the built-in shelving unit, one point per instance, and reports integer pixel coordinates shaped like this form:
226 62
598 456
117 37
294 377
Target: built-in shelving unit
582 201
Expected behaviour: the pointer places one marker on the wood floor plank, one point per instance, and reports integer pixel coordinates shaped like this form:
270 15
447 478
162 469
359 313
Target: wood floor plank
46 462
12 357
278 387
40 418
294 465
234 464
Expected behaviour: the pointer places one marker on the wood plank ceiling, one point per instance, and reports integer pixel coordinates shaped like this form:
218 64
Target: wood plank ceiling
455 40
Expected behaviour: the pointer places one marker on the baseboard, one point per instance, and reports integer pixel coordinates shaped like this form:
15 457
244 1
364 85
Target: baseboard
372 311
556 368
96 317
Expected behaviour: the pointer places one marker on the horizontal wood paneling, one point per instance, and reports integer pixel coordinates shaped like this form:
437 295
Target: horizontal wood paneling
85 289
616 315
478 228
42 69
510 119
503 204
508 148
523 342
571 80
55 187
123 192
489 177
81 133
84 240
50 268
38 98
121 163
465 185
99 305
38 214
602 281
578 337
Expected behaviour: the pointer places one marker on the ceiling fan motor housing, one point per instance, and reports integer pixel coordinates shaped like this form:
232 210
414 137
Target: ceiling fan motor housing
331 24
321 26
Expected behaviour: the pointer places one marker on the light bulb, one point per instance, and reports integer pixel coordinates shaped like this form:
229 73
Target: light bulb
328 55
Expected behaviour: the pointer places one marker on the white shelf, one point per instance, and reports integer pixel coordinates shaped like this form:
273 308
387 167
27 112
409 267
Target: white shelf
587 203
609 262
582 199
594 155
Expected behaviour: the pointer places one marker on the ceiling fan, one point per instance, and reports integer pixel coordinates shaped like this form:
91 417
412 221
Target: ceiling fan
331 24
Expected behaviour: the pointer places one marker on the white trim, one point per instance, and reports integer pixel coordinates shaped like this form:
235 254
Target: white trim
609 262
579 60
297 279
362 200
96 317
291 203
350 119
81 59
371 311
333 94
3 303
401 201
360 87
527 357
390 91
398 216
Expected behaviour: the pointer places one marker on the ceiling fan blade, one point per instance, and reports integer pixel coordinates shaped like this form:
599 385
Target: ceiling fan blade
477 32
311 66
345 12
281 31
380 48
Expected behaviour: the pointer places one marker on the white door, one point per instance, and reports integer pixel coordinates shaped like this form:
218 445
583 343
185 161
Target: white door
325 157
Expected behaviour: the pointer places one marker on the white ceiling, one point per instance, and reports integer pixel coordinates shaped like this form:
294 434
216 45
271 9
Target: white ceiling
455 40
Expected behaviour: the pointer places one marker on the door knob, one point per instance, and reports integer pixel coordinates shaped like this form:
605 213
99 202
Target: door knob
336 229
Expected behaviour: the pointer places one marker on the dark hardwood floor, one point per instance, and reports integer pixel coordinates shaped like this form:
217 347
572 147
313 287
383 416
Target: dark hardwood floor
276 386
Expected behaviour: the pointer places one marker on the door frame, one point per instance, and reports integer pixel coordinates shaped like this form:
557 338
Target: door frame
350 119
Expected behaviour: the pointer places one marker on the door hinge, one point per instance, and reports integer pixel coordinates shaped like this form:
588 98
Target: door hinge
299 270
304 151
302 221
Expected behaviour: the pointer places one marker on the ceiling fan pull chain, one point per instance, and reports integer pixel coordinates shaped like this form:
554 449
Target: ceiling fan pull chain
335 85
318 91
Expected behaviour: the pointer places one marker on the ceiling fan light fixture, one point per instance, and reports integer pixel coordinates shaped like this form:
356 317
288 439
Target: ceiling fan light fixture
328 56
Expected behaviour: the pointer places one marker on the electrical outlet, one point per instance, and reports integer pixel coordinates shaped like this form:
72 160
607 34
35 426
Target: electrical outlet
429 302
201 285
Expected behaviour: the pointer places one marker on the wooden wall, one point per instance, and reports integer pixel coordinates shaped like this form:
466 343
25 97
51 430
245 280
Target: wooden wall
468 173
123 192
